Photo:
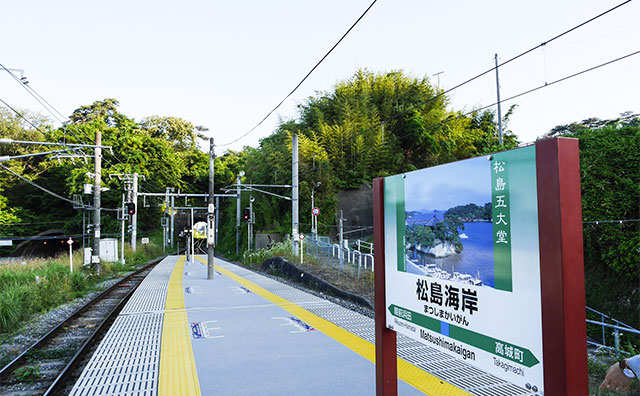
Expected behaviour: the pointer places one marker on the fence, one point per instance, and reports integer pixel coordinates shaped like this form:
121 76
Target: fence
617 326
350 261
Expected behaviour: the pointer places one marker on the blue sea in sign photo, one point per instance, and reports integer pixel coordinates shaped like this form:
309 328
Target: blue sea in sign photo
475 260
454 242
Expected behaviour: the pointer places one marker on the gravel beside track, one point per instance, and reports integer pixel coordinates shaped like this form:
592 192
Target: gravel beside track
40 367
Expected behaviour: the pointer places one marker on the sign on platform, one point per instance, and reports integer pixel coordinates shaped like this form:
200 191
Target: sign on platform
5 242
145 241
462 262
200 230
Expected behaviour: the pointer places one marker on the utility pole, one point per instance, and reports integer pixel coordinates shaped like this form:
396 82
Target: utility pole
171 214
438 75
314 218
164 220
238 198
217 215
191 236
250 224
97 179
211 214
499 111
134 217
124 216
294 194
341 225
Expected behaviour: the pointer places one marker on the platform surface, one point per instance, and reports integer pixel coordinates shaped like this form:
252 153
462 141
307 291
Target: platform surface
246 334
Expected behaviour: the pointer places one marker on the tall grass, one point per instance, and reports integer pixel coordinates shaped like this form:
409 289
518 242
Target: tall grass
38 285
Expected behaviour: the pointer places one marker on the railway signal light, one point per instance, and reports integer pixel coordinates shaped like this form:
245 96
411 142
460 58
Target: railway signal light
131 208
246 214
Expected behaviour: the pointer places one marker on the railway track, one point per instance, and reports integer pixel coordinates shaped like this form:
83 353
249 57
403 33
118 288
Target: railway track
49 365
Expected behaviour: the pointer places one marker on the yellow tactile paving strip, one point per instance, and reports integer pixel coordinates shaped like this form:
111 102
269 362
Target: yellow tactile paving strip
177 365
407 372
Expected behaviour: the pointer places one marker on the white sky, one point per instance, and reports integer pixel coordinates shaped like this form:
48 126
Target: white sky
225 64
434 188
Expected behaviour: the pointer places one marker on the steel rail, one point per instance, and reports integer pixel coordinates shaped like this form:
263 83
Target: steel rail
21 359
59 382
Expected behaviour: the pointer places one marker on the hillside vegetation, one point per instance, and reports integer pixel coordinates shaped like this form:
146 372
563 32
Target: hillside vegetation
343 142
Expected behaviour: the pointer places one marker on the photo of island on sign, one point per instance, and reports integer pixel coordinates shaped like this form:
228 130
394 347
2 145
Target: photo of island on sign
448 227
462 263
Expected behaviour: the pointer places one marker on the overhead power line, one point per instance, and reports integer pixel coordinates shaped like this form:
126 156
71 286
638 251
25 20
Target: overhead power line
439 95
305 77
23 117
51 192
35 95
53 110
502 101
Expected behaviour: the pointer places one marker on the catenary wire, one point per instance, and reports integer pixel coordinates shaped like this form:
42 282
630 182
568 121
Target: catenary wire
33 94
51 192
449 119
442 93
303 80
51 109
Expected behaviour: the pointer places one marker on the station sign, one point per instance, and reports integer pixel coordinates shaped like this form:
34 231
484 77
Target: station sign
6 242
200 230
462 263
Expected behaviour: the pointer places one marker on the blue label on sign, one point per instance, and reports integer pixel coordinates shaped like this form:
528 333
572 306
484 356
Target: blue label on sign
244 289
196 330
188 290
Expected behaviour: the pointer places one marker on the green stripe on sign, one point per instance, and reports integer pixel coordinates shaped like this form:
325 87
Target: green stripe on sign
394 202
492 345
501 219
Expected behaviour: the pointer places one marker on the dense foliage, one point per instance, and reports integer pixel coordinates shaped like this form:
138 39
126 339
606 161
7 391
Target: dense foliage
610 180
162 149
370 125
343 143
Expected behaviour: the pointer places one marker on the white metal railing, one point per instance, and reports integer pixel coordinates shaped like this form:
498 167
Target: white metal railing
355 257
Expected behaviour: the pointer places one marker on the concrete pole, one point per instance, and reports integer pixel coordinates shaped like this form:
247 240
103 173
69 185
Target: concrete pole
84 231
250 224
314 232
122 232
163 221
499 111
217 215
134 218
97 184
238 198
192 238
340 254
211 212
172 221
294 194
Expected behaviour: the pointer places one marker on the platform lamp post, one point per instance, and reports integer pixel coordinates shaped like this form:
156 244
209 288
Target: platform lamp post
314 219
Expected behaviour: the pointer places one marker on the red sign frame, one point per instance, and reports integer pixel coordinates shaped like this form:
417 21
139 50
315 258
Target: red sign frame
564 337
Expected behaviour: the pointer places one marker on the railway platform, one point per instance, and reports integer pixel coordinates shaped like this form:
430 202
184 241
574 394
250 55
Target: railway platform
246 334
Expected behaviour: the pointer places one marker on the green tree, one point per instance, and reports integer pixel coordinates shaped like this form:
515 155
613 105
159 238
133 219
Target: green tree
610 185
